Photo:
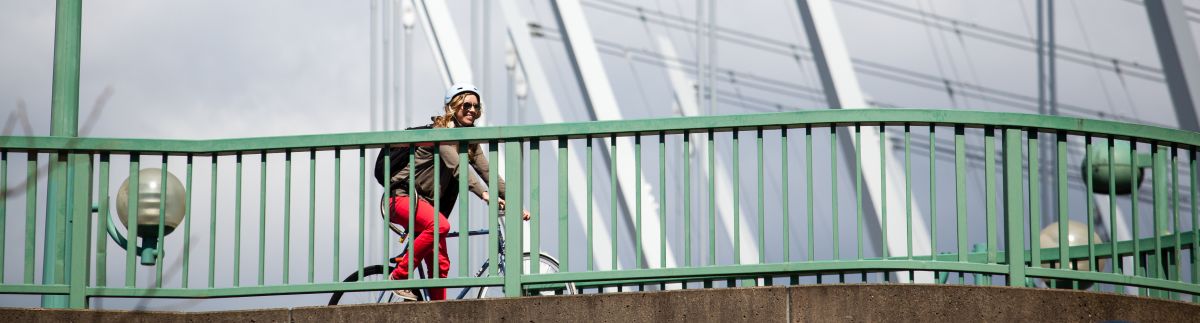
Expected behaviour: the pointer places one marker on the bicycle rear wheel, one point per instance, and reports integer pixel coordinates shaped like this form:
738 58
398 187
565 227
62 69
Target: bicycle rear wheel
376 272
547 264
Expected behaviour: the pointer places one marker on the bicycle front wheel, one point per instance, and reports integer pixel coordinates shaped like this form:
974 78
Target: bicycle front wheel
375 272
546 265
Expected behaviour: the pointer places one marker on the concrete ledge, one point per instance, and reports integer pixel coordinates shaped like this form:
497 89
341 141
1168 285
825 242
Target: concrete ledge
721 305
816 303
950 303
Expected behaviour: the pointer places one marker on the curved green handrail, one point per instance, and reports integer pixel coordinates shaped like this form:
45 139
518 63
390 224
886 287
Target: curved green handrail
672 125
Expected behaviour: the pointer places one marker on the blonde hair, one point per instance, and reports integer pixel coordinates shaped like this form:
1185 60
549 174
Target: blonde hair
446 120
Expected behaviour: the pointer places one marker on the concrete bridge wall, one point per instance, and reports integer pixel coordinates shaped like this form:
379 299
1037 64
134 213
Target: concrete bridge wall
823 303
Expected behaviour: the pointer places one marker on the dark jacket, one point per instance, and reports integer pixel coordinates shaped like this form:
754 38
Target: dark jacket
449 164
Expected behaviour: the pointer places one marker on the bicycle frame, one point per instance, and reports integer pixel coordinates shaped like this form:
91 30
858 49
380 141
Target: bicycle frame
482 269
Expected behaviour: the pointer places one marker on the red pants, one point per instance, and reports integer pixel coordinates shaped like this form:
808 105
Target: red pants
423 243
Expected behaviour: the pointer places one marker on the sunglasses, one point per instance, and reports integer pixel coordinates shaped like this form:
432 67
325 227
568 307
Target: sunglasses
470 106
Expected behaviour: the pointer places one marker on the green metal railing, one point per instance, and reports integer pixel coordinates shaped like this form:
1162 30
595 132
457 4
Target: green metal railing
1001 214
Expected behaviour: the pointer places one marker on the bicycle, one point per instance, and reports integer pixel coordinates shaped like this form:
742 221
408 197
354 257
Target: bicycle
546 263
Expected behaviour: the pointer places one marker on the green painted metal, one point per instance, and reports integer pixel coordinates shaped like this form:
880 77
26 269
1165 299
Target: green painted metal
637 166
1014 212
737 198
1090 181
1174 212
989 166
187 225
464 219
64 121
833 190
770 269
797 119
762 213
44 289
1035 202
858 193
287 215
101 224
785 214
535 197
687 199
514 191
161 234
662 204
590 247
712 199
247 291
883 227
564 253
612 201
1134 174
312 214
362 208
960 185
237 224
908 194
494 208
77 224
1164 276
262 218
933 205
132 227
412 204
212 223
1112 204
337 216
808 165
1159 154
1063 208
437 205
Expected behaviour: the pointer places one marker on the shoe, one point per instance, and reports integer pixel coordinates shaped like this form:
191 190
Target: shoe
404 294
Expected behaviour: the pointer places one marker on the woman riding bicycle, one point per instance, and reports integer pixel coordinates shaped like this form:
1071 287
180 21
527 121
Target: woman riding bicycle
461 109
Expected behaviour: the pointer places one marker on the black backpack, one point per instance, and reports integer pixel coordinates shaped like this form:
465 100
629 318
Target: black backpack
398 159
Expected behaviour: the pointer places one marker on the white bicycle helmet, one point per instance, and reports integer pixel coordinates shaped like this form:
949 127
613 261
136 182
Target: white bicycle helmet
459 88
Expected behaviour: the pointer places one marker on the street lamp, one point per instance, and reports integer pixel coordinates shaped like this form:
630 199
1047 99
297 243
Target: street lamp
1123 164
1076 236
152 191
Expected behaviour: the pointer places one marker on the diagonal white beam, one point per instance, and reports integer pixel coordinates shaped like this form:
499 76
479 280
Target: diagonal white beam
842 91
687 105
543 94
443 39
602 104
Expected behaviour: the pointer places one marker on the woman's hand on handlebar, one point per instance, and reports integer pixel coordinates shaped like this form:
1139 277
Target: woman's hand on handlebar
487 199
524 213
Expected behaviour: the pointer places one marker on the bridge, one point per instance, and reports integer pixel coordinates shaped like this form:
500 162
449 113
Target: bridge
809 212
996 240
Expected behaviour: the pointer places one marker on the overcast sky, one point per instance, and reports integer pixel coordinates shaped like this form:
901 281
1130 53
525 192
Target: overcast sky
231 69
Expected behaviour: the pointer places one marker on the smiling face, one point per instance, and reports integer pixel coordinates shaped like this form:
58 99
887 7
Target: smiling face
469 111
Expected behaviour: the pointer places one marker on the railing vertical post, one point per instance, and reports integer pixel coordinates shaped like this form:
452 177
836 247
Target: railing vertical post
64 115
1014 208
1159 184
512 221
79 175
